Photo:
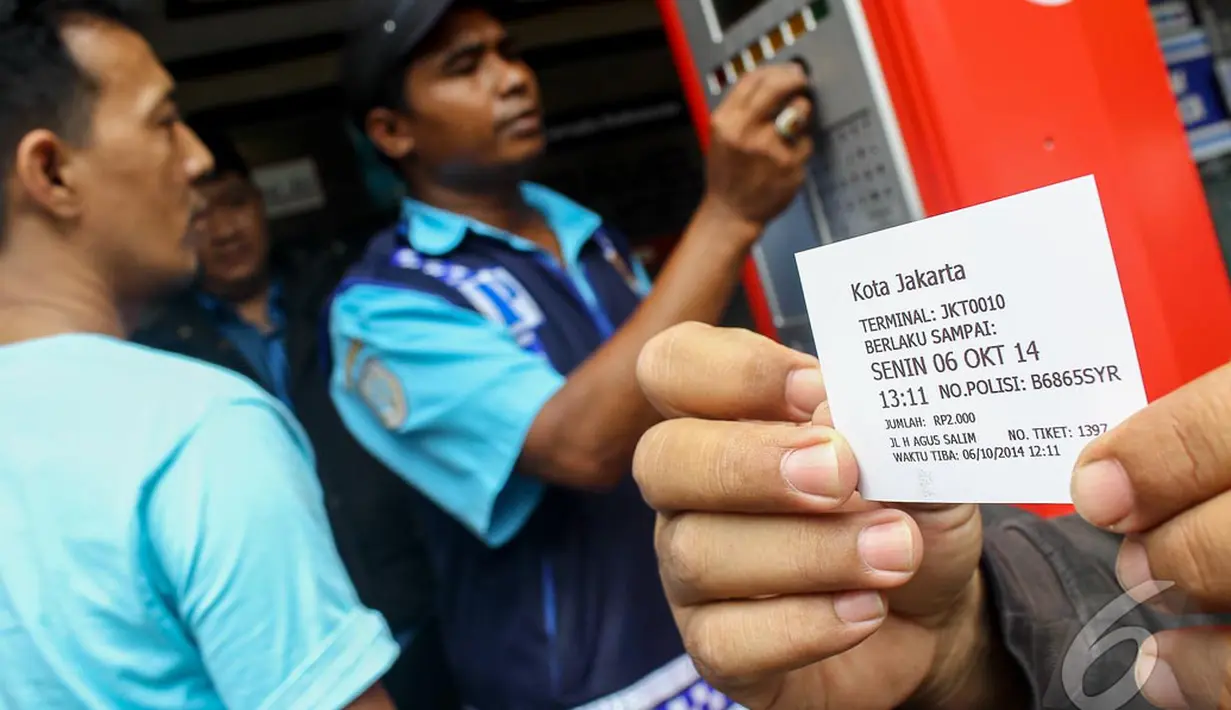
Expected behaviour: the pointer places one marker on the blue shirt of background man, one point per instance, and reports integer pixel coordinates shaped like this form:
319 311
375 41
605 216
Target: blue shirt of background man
473 390
264 351
166 541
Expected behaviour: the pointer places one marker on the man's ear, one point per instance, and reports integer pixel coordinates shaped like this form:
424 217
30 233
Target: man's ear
390 132
45 172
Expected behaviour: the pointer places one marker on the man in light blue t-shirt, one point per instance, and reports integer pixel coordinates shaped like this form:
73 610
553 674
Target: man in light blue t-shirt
164 542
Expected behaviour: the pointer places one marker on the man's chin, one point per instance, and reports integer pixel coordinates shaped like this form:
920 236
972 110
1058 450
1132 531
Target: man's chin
521 161
516 162
532 148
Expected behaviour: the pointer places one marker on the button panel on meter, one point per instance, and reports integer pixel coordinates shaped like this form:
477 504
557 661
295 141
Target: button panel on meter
856 180
767 46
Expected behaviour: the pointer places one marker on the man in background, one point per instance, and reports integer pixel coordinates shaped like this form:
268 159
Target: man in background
256 309
165 542
485 349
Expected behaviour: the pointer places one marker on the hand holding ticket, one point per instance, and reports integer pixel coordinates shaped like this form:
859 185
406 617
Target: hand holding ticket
970 357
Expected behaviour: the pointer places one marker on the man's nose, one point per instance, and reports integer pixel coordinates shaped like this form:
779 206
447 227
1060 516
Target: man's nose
198 160
218 226
515 78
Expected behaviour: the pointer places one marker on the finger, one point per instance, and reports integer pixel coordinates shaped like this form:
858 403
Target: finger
802 105
761 92
705 557
737 99
693 464
1189 550
801 150
779 84
952 538
952 543
822 416
789 156
1164 459
794 119
790 144
1186 668
693 369
737 643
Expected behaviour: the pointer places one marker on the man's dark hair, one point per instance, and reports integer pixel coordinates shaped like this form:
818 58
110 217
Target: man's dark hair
216 137
41 86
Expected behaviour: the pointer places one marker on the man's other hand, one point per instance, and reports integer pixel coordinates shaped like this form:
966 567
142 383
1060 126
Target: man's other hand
752 171
1163 478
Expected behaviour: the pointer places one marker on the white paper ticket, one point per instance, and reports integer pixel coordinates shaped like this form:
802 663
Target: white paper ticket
970 357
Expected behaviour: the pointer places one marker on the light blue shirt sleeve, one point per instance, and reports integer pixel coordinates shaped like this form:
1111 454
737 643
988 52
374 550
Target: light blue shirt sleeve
444 398
239 528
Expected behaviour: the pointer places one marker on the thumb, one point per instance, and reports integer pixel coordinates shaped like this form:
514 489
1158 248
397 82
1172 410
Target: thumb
1165 459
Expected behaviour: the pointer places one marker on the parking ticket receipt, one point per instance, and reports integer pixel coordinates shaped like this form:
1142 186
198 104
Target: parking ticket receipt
969 357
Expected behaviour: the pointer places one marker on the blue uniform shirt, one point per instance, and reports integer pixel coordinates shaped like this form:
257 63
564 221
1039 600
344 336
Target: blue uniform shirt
165 541
265 352
448 337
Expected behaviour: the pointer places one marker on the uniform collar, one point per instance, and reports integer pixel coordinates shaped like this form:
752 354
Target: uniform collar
435 231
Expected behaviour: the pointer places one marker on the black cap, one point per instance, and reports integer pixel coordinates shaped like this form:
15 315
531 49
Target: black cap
383 33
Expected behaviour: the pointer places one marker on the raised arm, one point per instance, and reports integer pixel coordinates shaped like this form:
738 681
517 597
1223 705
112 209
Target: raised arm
586 433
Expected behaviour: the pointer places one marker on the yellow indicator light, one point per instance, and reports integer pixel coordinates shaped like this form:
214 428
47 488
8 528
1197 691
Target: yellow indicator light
798 25
776 41
757 53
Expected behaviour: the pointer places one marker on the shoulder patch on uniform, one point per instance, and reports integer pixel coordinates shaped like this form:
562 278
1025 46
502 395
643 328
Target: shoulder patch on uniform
382 391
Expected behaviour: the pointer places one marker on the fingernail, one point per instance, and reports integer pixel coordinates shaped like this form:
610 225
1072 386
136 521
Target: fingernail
858 607
814 471
805 391
1155 678
1133 567
888 547
1102 493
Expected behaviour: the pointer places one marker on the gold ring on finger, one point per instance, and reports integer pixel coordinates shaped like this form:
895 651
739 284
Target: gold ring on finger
789 123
